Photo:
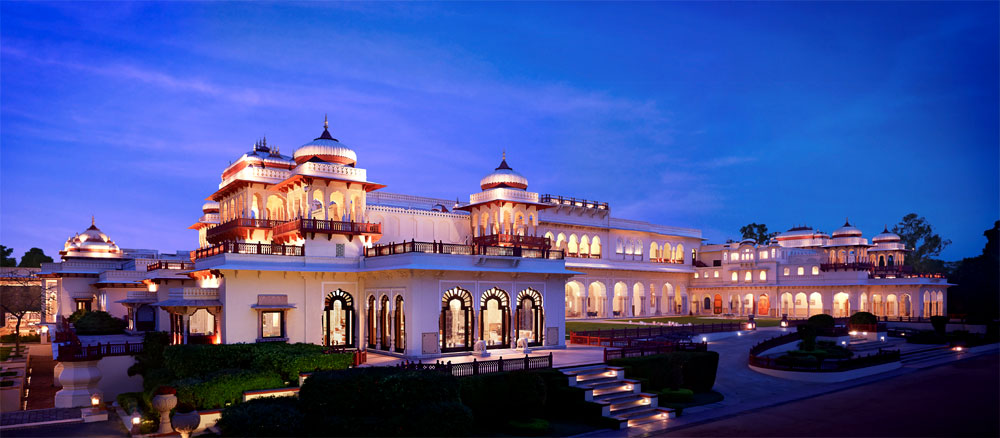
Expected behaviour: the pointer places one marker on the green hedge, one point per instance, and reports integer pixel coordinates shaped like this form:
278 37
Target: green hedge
865 318
224 387
679 396
821 321
98 322
698 370
940 324
376 401
270 416
23 338
483 394
288 360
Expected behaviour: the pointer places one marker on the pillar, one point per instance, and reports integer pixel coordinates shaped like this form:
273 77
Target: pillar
79 381
185 325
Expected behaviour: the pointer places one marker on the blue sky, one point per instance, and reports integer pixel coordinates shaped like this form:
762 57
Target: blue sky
708 115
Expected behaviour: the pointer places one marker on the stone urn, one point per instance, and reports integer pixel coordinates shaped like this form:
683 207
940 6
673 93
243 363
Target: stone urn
165 400
186 420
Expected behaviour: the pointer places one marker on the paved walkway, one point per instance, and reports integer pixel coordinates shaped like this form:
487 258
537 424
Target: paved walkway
561 357
41 392
38 416
110 428
955 399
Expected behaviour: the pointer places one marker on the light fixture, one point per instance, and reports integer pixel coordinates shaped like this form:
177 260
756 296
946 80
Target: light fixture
843 342
628 387
645 401
958 348
853 332
784 323
95 399
739 333
864 333
45 329
136 419
704 339
882 338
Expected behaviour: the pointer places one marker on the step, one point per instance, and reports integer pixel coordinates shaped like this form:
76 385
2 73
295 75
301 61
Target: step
617 397
633 406
573 371
658 414
605 386
597 381
608 372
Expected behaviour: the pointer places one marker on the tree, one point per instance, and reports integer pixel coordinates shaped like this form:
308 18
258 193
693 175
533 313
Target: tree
976 293
6 261
19 295
757 232
918 236
34 258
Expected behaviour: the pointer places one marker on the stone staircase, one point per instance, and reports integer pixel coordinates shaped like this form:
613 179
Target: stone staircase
864 346
924 356
620 398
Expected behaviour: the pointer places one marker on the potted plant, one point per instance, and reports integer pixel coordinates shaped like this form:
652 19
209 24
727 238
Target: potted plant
186 419
164 399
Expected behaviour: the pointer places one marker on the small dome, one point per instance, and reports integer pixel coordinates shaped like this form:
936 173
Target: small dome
325 148
210 207
504 177
798 232
748 241
886 236
847 230
91 243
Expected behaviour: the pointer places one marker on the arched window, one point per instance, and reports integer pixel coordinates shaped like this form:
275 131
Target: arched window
584 246
763 275
747 276
717 304
573 246
372 336
679 253
595 247
494 314
619 246
890 261
654 251
667 251
530 316
708 305
735 276
815 270
400 332
456 320
338 319
384 327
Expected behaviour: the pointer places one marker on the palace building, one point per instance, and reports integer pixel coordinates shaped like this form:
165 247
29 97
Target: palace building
306 248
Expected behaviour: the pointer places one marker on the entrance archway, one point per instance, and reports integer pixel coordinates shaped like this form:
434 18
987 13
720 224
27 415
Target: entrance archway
400 332
338 319
638 299
370 322
597 295
494 312
384 328
618 306
574 301
456 320
530 316
841 305
717 304
763 305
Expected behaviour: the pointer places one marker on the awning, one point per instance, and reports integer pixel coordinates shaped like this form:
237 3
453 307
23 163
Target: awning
180 302
273 306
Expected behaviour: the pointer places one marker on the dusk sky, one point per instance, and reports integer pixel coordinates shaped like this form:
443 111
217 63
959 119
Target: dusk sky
705 115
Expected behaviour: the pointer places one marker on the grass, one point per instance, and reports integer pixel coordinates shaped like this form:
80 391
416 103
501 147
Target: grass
8 373
7 383
5 353
25 338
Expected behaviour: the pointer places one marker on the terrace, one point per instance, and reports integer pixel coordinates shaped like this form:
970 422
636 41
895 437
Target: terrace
459 249
573 202
301 228
239 228
249 248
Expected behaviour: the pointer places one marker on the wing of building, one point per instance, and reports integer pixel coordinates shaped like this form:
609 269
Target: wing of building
307 248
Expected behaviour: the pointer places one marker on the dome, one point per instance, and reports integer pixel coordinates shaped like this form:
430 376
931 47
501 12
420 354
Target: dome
91 243
325 148
847 230
800 232
210 207
504 177
886 236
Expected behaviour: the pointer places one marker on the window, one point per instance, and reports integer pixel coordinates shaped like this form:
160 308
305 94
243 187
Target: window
786 271
763 255
747 276
340 250
763 275
272 324
800 271
715 274
815 270
735 276
725 256
773 253
695 275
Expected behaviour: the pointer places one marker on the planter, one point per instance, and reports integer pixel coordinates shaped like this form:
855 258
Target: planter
10 396
187 422
163 403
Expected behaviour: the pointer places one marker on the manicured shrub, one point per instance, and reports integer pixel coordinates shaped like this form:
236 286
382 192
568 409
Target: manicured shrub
288 360
528 427
224 387
73 318
698 369
377 401
151 357
678 396
99 323
484 393
23 338
863 318
270 416
940 324
821 321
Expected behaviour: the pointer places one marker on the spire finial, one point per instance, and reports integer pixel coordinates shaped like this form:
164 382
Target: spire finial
326 123
504 156
92 221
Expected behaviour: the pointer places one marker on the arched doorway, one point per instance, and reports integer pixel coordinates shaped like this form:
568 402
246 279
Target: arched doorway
456 320
494 314
905 306
815 304
597 300
890 305
400 332
841 305
530 316
574 302
801 305
620 302
717 307
338 319
707 305
370 322
763 305
786 304
638 299
384 327
145 318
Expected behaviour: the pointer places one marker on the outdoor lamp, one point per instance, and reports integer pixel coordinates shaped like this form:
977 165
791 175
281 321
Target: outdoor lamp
45 329
95 399
784 323
135 423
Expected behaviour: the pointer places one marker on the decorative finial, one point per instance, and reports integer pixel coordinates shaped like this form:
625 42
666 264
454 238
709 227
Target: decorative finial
92 221
326 123
264 141
504 156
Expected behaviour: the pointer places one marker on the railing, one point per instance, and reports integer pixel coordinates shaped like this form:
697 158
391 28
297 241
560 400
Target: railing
583 255
854 266
459 249
240 222
829 365
657 260
649 350
325 226
554 199
512 239
628 337
477 367
250 248
75 352
163 264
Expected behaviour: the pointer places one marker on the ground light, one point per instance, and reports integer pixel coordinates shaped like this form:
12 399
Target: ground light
135 423
95 400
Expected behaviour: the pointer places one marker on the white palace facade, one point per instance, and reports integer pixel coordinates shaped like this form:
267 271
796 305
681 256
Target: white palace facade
305 248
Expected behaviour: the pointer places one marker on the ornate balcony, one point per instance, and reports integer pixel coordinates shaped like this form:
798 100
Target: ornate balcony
167 264
310 227
573 202
249 248
459 249
513 240
853 266
239 228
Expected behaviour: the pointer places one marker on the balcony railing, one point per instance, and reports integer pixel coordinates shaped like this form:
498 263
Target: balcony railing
250 248
512 240
560 200
325 226
853 266
165 264
240 222
673 261
459 249
583 255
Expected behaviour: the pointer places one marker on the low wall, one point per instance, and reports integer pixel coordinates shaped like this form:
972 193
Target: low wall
828 377
115 379
971 328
